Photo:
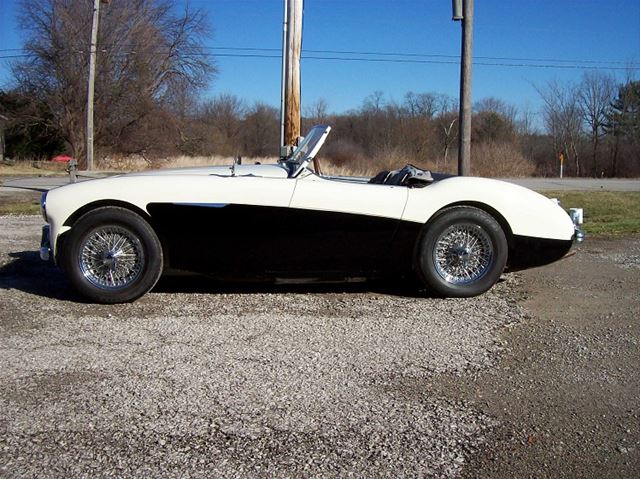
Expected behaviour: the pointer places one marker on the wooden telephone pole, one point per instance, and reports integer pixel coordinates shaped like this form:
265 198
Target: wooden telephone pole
92 83
290 94
463 10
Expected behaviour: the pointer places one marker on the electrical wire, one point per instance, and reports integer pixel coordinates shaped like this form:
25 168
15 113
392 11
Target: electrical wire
383 57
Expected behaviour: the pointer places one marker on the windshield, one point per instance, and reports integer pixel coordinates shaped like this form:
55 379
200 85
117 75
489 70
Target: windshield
308 148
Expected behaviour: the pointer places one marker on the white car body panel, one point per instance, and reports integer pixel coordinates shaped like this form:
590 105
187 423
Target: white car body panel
159 187
527 212
262 171
316 193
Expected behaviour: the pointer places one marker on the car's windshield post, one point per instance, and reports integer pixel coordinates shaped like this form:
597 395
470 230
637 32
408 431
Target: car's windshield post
307 149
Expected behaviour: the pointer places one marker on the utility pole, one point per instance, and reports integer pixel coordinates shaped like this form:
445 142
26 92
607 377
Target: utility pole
464 137
92 82
290 100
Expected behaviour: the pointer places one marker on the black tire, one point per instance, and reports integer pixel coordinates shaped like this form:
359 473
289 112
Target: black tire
461 253
112 255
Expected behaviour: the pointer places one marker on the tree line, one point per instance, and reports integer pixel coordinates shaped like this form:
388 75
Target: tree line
153 68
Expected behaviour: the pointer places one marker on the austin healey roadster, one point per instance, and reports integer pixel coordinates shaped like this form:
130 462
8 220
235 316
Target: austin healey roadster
114 237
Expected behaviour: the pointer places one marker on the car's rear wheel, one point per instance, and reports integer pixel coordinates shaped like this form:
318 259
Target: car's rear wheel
112 255
462 252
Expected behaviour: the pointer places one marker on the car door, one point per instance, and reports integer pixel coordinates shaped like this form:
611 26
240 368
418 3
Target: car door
231 227
343 226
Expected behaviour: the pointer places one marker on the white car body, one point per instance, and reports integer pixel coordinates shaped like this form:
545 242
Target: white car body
527 212
537 229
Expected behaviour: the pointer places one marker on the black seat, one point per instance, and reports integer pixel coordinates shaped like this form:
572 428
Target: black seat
408 175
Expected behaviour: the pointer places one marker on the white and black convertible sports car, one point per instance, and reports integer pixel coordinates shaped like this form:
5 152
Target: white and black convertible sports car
115 236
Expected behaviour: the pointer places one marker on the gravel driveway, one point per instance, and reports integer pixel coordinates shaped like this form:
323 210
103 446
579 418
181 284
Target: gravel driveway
195 380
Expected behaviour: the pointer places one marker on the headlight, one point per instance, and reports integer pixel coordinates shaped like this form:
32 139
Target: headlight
43 206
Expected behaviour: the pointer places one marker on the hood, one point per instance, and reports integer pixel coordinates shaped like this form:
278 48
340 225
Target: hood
262 171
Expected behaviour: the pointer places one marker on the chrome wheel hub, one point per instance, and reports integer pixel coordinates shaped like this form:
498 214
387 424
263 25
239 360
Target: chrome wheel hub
463 253
111 257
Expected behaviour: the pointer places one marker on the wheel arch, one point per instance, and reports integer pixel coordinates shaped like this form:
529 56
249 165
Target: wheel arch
80 212
104 203
504 224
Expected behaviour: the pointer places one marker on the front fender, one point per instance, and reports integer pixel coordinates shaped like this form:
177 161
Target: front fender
527 213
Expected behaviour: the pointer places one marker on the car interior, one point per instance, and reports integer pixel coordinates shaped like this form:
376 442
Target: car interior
409 175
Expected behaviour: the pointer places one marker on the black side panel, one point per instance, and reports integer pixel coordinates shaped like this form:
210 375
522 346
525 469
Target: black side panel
403 247
241 240
528 252
525 252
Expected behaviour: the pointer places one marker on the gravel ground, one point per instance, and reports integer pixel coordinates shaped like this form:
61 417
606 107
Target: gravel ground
244 384
566 390
196 380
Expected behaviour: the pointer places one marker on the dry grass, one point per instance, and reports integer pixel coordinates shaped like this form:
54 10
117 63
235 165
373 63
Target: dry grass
20 207
341 164
331 169
33 168
138 163
499 160
492 160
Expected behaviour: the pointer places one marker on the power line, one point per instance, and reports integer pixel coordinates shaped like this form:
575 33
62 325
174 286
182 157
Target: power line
25 55
378 60
408 55
451 62
429 55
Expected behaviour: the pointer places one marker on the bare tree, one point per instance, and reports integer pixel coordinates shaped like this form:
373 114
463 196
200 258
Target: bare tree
563 120
623 128
260 130
448 135
495 105
25 122
446 104
595 94
146 53
318 111
492 126
223 116
525 121
373 103
423 105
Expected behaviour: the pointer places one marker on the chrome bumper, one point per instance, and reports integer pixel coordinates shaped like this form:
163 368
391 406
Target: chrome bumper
45 244
576 217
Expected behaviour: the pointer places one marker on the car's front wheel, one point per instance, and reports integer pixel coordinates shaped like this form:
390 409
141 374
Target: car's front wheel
462 252
112 255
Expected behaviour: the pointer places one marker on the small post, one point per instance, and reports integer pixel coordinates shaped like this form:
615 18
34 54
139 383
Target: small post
464 138
292 48
72 169
561 157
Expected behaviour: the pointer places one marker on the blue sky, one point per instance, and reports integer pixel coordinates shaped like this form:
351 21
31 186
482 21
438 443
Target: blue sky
559 32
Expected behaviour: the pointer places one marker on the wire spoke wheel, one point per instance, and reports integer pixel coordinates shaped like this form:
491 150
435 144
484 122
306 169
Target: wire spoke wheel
111 257
463 253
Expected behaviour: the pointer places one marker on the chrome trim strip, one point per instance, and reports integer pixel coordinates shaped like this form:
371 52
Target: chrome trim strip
204 205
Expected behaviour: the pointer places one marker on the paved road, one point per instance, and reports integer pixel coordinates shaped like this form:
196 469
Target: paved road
538 184
580 184
34 183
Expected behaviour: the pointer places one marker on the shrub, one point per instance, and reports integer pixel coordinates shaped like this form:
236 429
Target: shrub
499 160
